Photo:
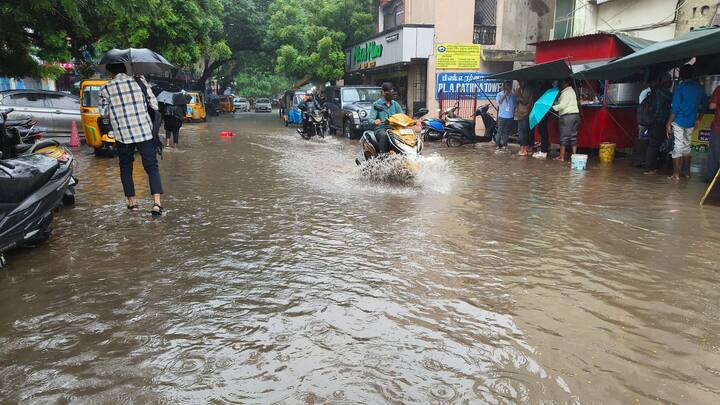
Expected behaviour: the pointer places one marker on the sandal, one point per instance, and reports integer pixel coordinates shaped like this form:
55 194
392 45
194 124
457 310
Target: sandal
133 207
156 212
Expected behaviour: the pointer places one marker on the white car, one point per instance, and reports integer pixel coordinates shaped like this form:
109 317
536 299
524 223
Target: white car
241 104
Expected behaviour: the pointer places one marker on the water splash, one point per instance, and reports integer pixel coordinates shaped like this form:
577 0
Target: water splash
429 173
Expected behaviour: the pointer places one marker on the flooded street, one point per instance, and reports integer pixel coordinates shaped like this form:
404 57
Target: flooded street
281 275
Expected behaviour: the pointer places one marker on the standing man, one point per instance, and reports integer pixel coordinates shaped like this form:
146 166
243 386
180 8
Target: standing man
122 99
684 115
506 112
525 100
567 108
714 156
378 117
661 98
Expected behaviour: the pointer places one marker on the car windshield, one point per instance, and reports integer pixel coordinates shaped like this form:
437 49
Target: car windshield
242 100
263 101
193 99
91 96
352 95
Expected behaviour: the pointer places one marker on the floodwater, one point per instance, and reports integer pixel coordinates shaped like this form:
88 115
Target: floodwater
281 275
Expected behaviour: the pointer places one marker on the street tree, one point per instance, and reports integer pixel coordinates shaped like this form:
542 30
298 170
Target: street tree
309 36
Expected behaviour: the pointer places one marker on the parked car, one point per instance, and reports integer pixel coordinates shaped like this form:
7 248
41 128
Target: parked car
349 108
241 104
53 110
263 105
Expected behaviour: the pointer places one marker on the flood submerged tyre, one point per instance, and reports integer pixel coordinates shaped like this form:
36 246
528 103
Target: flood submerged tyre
453 142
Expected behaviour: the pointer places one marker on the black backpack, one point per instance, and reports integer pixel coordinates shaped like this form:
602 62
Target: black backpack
646 111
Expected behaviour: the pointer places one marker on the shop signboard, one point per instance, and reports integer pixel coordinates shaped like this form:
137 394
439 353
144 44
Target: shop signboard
402 45
467 84
457 56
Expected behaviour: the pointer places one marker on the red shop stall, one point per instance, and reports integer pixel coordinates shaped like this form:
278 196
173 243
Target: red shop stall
607 110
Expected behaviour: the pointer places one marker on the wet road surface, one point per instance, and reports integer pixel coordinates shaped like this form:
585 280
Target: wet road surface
281 275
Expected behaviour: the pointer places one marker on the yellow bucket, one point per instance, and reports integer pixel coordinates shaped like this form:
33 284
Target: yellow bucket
607 152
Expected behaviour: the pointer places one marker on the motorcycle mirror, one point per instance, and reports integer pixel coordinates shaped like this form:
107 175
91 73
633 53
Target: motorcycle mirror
420 112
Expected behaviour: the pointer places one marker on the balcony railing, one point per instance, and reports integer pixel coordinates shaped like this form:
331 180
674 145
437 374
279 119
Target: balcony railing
484 34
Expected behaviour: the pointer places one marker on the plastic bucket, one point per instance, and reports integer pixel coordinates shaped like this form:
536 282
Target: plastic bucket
226 134
607 152
578 162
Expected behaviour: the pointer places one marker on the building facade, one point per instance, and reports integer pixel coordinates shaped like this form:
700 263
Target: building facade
648 19
409 32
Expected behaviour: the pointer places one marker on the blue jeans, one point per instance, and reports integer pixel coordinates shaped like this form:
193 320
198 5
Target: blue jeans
505 125
148 153
713 156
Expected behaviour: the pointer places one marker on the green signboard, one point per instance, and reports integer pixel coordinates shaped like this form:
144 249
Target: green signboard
367 52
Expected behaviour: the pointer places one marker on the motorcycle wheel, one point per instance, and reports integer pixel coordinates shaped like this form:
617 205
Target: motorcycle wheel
453 142
69 196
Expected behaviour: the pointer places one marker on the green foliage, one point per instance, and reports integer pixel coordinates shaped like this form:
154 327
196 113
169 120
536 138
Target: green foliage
310 35
293 38
60 30
259 83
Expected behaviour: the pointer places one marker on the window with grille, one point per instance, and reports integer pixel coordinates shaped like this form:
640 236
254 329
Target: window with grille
393 14
485 27
564 16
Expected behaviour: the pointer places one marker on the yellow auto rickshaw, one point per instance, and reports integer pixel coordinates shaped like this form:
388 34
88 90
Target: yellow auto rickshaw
196 107
89 113
226 104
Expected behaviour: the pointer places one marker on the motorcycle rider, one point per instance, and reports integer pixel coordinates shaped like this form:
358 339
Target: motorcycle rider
308 105
392 107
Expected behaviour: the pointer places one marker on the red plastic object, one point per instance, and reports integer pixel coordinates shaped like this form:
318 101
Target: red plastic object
74 138
226 134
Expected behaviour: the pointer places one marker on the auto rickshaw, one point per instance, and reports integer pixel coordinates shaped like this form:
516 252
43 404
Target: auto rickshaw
226 104
89 113
196 107
288 107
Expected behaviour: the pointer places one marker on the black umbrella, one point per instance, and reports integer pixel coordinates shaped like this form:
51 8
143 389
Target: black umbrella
138 61
172 98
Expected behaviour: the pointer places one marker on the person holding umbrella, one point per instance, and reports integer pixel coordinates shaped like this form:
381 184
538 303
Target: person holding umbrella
128 102
172 106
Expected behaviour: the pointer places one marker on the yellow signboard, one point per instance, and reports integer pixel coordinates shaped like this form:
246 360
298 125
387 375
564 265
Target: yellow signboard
457 56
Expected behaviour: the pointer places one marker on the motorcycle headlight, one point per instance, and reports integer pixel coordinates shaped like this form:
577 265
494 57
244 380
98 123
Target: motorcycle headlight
363 113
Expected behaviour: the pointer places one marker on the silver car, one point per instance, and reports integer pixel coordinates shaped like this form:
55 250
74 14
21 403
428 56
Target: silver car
241 104
263 105
53 110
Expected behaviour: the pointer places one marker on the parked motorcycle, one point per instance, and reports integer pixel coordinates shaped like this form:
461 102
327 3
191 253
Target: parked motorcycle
433 129
27 129
14 145
459 131
402 139
315 123
33 186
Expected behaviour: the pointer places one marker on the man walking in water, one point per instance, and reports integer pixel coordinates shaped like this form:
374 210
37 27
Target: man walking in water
379 117
122 99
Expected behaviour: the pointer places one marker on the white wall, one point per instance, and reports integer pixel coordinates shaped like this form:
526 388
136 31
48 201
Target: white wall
632 17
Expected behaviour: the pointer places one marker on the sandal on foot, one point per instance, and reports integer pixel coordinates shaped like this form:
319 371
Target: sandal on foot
156 210
133 207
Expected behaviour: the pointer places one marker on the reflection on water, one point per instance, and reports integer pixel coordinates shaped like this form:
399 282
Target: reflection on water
282 274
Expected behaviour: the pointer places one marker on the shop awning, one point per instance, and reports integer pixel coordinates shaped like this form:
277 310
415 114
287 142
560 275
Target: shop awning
700 42
558 69
635 43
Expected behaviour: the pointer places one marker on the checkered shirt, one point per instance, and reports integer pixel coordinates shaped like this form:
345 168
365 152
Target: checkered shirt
122 100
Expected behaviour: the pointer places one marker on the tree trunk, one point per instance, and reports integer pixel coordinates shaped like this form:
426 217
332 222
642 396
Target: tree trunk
208 71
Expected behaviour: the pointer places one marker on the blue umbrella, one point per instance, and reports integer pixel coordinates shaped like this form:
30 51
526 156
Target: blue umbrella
543 106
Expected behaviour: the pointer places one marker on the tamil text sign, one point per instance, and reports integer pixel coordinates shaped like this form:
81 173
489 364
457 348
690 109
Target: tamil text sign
457 56
467 84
